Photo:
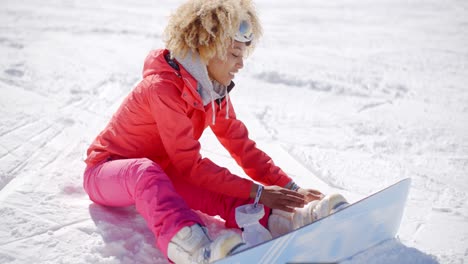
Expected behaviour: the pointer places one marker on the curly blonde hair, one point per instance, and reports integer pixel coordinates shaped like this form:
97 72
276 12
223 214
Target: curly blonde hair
208 27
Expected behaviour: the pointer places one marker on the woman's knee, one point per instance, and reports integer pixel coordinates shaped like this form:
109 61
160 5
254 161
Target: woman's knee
147 172
116 180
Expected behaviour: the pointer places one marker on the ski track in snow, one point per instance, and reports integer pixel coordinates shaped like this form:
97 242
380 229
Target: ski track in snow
346 96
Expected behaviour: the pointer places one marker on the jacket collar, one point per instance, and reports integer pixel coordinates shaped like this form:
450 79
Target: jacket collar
191 78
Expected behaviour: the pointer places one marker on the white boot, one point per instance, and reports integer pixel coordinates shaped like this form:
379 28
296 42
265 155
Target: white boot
282 222
330 204
192 245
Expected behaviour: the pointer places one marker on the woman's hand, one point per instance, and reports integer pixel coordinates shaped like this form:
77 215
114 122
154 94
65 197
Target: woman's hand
310 194
276 197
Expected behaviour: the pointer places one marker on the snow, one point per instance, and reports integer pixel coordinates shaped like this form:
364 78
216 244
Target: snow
347 96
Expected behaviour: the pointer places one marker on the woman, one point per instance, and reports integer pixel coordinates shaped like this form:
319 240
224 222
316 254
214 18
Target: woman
149 154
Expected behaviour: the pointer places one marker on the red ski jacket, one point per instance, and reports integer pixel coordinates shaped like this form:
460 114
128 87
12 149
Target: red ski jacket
163 118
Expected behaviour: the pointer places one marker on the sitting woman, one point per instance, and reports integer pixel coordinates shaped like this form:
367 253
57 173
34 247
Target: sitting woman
148 155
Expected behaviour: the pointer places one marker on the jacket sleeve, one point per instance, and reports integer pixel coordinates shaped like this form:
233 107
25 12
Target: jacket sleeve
234 136
176 132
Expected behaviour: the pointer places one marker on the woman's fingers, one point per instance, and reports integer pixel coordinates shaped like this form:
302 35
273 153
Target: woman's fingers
294 201
314 192
286 208
311 194
279 198
292 193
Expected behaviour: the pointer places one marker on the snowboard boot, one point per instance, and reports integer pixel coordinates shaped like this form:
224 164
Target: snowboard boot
282 222
192 245
328 205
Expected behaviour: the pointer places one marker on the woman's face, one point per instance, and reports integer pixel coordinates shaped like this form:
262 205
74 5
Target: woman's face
223 71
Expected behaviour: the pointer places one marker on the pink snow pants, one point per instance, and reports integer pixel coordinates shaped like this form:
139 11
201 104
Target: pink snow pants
166 206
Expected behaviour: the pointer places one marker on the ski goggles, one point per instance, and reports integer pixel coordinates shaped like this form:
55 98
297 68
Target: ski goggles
245 33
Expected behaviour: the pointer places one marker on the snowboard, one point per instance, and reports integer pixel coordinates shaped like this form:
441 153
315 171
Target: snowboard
339 236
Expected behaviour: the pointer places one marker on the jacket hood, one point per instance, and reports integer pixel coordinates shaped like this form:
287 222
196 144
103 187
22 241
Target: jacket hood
158 62
155 62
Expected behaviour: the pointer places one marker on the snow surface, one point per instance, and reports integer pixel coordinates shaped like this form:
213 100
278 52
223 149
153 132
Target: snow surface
346 95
